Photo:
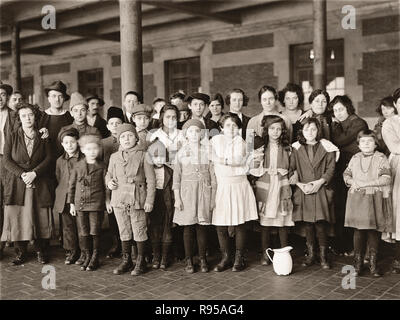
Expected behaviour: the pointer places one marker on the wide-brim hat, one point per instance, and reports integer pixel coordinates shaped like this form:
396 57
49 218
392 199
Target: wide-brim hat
115 112
58 86
200 96
95 96
7 88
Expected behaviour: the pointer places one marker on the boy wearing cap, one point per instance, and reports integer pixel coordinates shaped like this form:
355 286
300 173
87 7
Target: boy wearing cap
131 178
64 165
141 119
115 117
197 103
78 108
88 199
93 118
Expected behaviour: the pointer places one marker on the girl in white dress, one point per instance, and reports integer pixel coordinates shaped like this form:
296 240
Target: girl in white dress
235 200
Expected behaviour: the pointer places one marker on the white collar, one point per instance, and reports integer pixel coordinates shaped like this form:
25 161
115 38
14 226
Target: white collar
48 111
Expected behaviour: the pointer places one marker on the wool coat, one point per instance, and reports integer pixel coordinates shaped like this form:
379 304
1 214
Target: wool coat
317 206
17 161
87 188
64 167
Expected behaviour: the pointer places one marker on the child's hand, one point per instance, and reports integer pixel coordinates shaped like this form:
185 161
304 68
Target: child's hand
28 177
314 186
148 207
44 132
112 184
178 204
109 208
72 210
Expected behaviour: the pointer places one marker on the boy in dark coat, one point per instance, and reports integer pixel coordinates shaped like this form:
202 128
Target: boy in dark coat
64 165
115 117
88 199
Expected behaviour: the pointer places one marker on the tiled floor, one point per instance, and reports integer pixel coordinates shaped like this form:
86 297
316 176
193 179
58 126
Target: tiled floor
256 282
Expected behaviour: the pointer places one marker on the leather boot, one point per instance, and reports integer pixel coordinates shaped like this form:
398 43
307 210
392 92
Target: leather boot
373 265
189 268
20 256
126 264
310 259
203 265
81 258
264 258
396 267
84 247
225 262
358 264
71 257
324 257
156 256
239 263
164 256
94 261
87 259
115 249
40 257
139 267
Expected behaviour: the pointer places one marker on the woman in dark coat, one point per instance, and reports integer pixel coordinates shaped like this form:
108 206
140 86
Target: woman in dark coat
27 198
345 127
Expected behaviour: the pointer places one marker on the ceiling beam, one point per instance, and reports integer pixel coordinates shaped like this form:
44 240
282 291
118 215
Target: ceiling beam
196 10
87 32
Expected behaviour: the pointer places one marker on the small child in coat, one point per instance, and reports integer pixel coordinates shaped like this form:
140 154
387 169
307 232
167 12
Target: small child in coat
64 166
273 192
131 179
312 166
88 199
194 185
160 218
369 206
115 117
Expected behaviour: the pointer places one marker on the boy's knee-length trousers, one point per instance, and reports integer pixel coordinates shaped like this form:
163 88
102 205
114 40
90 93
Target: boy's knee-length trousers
131 223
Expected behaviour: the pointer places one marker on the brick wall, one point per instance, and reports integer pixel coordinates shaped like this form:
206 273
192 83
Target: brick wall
380 25
379 76
243 43
250 78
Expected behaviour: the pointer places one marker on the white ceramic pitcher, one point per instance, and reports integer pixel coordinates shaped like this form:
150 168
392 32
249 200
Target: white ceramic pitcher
282 261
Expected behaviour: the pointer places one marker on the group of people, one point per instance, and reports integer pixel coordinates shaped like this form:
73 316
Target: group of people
185 172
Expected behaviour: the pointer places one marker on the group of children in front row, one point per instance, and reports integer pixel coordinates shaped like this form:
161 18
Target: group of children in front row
149 189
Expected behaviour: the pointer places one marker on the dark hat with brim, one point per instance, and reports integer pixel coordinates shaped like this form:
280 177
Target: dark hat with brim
198 95
7 88
115 112
72 132
58 86
101 101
